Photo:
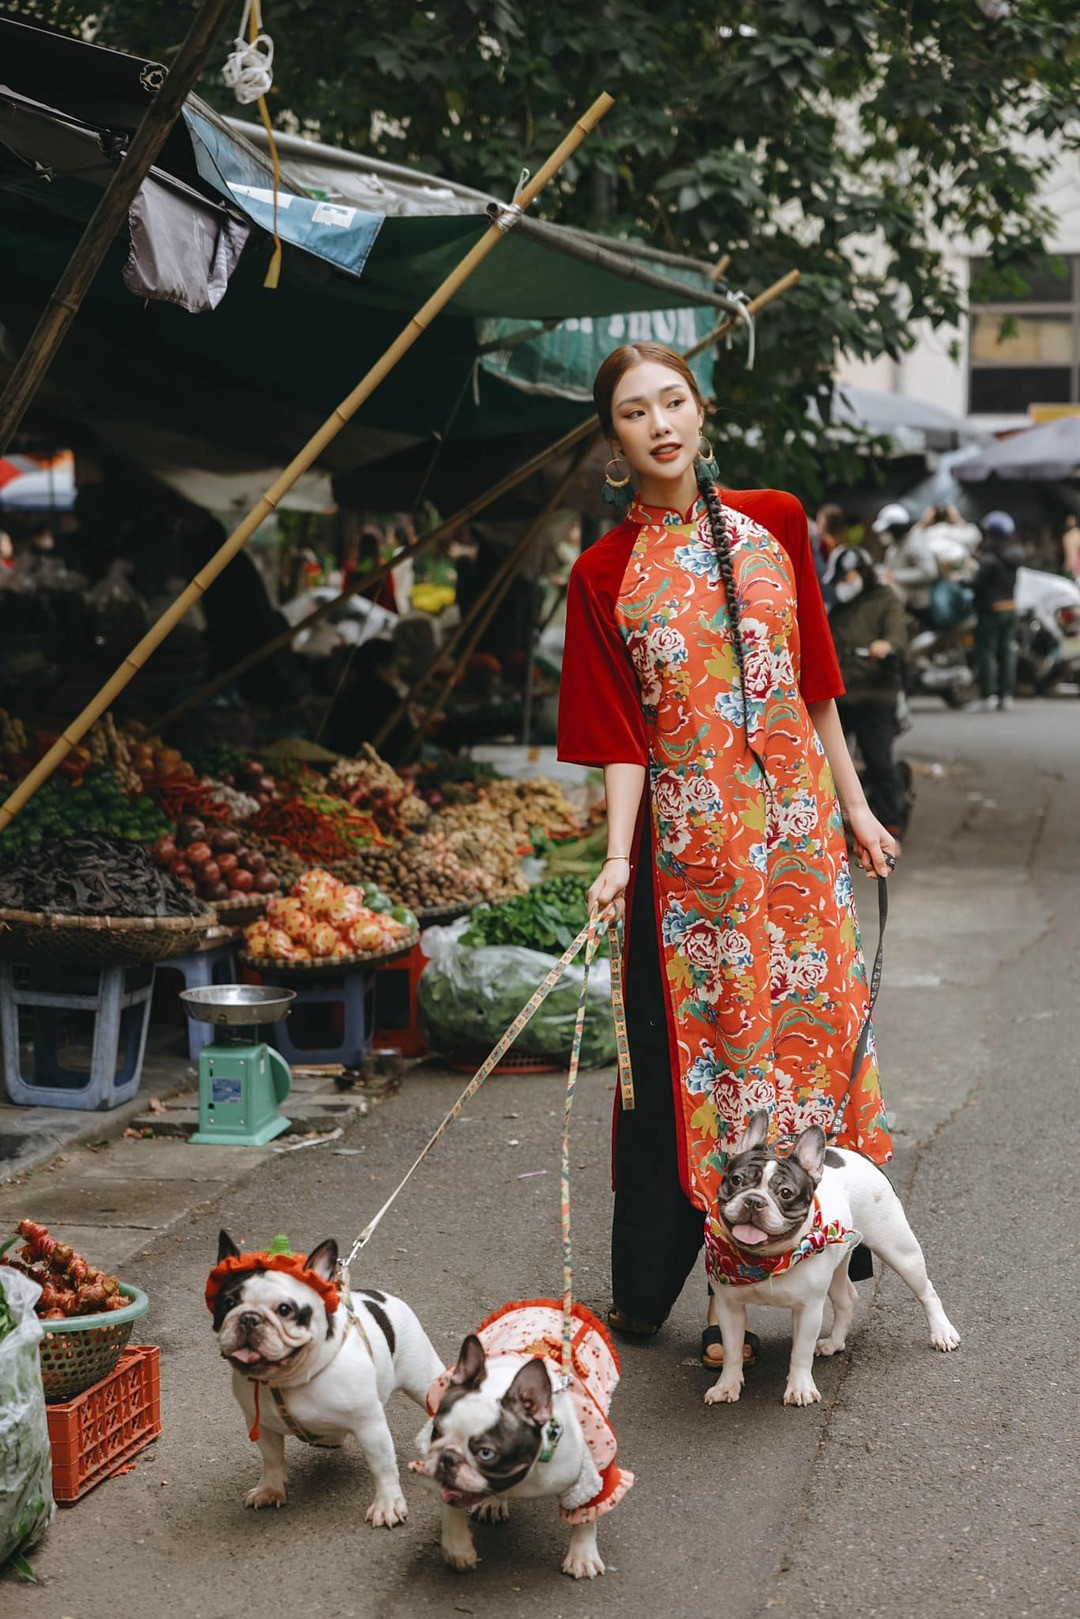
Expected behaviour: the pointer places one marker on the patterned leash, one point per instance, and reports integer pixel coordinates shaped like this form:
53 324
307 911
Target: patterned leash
875 985
589 937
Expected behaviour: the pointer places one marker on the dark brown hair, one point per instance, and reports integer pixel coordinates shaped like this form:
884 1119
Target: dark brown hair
610 374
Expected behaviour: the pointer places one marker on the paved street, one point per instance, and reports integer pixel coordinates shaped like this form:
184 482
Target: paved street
922 1487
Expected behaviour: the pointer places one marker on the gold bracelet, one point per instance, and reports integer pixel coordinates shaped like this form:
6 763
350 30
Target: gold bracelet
612 857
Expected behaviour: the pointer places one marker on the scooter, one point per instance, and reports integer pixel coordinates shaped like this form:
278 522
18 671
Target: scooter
937 663
1048 629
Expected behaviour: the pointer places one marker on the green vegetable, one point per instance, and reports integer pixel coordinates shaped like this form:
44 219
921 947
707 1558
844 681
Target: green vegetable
7 1320
549 918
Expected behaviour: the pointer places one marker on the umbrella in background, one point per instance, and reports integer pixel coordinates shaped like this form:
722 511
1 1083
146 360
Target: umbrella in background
1048 453
31 484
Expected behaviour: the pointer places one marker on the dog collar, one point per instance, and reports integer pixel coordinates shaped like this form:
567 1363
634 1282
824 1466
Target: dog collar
291 1264
553 1432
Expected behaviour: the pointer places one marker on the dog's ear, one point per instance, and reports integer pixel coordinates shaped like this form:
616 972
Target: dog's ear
756 1132
809 1151
226 1248
530 1392
323 1259
469 1371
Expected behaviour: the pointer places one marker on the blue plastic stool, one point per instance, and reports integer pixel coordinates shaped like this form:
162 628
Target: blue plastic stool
353 991
199 969
119 999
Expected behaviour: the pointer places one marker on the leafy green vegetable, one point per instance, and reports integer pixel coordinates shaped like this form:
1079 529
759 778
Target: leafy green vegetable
549 917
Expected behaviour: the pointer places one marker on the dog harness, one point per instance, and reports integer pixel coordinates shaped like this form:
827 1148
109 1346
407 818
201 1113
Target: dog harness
534 1328
731 1266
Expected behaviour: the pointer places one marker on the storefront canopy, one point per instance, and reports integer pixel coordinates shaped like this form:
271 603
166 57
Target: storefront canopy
1047 454
365 244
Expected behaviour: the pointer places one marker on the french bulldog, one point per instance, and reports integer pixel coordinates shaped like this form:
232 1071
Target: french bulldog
277 1334
766 1208
504 1429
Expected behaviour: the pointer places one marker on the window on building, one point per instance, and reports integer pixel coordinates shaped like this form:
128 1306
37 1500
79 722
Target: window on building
1025 337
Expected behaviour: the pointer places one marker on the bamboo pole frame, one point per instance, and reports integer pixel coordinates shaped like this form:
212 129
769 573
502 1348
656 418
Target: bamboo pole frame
585 432
415 328
105 221
471 509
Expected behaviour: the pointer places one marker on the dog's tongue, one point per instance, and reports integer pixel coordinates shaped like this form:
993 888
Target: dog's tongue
247 1356
748 1235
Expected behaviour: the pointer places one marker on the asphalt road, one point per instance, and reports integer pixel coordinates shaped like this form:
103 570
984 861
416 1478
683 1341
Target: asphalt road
922 1486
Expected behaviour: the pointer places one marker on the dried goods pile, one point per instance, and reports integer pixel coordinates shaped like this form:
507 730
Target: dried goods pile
92 875
370 784
322 919
440 867
70 1285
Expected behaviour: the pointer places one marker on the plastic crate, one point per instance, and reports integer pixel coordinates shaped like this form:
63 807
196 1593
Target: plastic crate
397 1017
93 1435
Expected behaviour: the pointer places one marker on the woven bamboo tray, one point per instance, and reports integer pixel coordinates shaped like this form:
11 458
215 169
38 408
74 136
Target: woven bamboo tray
241 910
99 941
447 913
372 958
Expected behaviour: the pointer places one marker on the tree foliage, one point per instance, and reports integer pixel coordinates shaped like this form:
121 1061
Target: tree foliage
847 138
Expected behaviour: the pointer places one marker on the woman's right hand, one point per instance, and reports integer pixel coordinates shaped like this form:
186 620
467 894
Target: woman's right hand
609 886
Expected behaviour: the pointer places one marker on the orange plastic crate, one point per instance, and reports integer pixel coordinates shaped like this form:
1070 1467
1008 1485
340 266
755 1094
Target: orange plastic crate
93 1435
397 1015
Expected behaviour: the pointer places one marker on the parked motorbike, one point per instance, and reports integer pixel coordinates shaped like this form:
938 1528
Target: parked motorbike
938 662
1048 629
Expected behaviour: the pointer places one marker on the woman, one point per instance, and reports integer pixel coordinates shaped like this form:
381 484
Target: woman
869 631
698 662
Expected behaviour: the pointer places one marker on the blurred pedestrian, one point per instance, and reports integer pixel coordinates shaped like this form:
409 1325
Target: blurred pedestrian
994 588
830 533
1070 545
869 631
7 551
909 562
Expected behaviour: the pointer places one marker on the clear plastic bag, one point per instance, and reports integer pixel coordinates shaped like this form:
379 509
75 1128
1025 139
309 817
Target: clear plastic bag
26 1499
468 996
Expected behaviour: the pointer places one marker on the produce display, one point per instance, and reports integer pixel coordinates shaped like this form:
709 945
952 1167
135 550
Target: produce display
69 1284
7 1318
92 875
437 868
215 862
371 784
322 919
97 803
549 917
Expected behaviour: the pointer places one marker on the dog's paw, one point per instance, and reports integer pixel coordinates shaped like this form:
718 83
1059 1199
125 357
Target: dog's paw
386 1511
265 1495
725 1391
493 1511
583 1565
801 1391
830 1345
945 1337
461 1557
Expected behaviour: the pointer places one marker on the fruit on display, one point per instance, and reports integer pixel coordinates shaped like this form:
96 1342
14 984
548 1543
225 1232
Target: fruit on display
61 808
369 783
216 862
322 919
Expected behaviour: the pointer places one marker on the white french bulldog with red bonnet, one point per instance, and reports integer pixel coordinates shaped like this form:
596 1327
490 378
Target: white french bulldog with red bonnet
306 1364
782 1235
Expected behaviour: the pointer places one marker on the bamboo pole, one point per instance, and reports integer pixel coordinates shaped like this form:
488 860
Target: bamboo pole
496 583
470 510
105 221
299 464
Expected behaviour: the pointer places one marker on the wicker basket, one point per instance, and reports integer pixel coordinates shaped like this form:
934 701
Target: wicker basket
241 910
79 1352
372 958
98 941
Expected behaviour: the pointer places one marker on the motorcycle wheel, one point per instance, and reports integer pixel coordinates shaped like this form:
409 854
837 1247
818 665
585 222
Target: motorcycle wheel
955 696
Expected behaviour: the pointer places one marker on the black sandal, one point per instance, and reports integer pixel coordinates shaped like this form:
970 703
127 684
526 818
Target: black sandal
628 1326
712 1337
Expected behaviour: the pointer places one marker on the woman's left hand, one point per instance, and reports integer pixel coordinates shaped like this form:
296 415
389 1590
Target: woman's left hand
875 848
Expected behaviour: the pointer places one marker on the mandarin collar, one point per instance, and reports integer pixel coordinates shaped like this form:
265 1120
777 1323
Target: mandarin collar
666 516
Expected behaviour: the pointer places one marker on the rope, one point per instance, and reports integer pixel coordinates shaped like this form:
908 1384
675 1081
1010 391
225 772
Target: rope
505 215
590 938
249 74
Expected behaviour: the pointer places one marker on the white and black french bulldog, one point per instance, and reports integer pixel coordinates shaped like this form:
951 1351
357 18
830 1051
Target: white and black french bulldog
766 1208
334 1379
489 1443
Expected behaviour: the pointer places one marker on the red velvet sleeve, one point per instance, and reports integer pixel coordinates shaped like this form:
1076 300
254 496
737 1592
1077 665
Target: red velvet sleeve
600 717
785 519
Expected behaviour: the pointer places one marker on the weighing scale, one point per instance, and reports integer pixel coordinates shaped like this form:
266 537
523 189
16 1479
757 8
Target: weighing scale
242 1080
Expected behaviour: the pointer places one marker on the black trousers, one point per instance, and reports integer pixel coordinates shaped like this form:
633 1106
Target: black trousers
656 1232
875 728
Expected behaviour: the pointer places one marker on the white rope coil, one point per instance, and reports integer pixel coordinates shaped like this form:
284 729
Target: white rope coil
249 70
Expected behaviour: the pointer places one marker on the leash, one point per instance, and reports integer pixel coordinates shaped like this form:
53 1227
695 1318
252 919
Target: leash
589 937
875 985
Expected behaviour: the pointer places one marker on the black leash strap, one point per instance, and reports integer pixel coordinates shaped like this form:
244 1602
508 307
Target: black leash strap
875 985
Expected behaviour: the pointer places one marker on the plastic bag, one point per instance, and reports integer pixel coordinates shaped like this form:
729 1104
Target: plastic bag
26 1499
468 996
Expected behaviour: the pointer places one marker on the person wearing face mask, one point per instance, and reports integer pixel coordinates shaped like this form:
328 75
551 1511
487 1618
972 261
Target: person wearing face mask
869 632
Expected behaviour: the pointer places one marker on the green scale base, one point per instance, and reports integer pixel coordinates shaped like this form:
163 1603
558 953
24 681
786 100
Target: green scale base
241 1088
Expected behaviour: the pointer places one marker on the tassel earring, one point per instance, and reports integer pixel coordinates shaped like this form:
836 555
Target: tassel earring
707 460
617 491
